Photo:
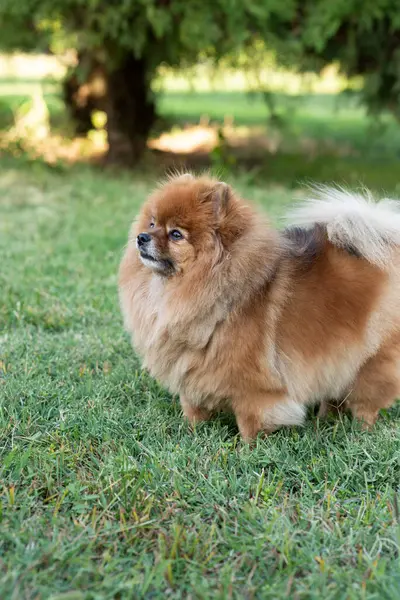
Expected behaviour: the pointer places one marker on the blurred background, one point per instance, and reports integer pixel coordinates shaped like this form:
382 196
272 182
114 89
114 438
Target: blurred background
284 90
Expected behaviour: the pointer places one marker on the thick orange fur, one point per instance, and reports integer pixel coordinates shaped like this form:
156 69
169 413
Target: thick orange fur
234 315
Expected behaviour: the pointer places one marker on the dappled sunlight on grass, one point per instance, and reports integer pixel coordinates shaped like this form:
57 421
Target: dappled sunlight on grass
183 141
55 148
242 140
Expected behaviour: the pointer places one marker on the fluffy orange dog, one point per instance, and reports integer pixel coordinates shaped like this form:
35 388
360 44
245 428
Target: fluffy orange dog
231 314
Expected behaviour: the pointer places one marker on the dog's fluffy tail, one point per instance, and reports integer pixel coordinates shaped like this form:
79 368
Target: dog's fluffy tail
353 220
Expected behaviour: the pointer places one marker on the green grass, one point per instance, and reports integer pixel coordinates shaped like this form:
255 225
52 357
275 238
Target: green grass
105 492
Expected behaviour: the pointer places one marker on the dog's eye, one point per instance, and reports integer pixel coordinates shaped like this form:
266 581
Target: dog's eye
174 234
151 225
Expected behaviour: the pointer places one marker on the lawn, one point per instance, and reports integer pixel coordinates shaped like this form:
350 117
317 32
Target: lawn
105 491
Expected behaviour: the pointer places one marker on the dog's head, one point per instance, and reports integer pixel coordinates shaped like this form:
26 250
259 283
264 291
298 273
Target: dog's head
188 218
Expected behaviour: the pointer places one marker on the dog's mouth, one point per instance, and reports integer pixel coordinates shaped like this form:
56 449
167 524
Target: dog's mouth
161 265
148 257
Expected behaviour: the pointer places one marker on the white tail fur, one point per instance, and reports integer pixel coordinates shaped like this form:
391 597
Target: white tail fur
356 220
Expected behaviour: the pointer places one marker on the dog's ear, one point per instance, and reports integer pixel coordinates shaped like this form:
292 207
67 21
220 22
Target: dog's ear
219 195
229 216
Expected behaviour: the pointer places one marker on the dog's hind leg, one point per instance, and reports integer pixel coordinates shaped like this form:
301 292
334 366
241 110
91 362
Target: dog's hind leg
266 413
377 385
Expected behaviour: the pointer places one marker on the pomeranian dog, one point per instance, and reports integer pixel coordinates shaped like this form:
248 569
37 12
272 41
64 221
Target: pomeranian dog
232 314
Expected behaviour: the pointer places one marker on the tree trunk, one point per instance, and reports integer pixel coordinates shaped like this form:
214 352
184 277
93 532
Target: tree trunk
84 91
130 110
123 93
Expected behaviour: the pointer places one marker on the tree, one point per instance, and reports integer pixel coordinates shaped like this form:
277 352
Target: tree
362 36
124 41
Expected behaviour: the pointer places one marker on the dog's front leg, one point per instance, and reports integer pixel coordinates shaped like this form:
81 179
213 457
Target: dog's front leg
194 414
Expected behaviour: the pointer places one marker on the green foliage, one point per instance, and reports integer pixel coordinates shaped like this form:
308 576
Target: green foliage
361 35
171 31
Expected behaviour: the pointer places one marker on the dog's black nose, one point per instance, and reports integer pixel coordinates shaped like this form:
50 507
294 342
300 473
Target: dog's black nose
143 238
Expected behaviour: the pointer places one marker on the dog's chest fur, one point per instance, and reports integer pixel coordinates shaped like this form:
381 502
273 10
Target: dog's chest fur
170 352
204 357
